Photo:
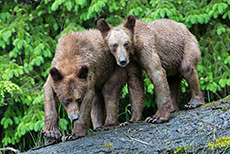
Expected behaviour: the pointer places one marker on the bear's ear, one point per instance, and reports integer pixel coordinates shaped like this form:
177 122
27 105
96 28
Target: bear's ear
83 73
103 27
55 74
130 22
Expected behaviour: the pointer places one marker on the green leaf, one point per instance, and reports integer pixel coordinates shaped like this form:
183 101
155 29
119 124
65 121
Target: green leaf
3 44
55 25
200 68
16 42
228 82
125 91
162 13
19 44
16 120
37 126
215 6
63 124
150 88
31 125
223 82
80 2
16 73
69 5
210 13
201 20
40 13
10 121
6 35
220 8
219 31
54 6
3 120
212 87
215 15
6 123
193 19
227 60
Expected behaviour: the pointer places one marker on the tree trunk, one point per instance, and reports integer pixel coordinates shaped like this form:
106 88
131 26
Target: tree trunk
202 130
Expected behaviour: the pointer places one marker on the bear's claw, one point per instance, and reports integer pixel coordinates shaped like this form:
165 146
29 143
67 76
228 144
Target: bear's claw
71 137
102 128
152 120
125 124
155 120
194 104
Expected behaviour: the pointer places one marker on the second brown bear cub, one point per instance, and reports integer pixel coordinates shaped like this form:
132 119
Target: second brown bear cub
166 50
84 73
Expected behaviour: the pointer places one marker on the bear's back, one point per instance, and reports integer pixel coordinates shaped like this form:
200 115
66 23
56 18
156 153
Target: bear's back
84 48
168 38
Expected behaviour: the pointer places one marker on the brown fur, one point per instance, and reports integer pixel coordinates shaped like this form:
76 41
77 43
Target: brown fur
78 78
97 111
166 50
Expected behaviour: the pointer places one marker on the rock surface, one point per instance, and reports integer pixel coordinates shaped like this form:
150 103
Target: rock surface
188 131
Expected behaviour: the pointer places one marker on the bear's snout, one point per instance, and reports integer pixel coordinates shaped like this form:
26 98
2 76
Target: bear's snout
74 117
123 62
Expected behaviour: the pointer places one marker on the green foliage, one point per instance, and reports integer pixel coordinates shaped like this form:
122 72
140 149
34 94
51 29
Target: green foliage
29 31
220 143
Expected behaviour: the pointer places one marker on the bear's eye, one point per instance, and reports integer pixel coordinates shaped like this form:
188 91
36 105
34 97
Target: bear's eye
114 47
67 101
79 100
126 45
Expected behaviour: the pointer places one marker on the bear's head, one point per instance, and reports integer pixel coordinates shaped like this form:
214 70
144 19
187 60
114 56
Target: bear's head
70 89
119 39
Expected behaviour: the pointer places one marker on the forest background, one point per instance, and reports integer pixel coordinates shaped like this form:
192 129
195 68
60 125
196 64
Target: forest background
30 29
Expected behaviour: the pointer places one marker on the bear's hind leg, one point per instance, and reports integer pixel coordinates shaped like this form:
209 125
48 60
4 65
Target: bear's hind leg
197 98
189 72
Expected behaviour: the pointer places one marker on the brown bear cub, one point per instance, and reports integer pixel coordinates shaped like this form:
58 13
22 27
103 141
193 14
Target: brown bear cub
84 75
166 50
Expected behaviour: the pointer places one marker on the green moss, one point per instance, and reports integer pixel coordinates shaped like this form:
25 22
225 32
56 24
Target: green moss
211 104
224 108
168 148
220 143
181 149
106 145
216 103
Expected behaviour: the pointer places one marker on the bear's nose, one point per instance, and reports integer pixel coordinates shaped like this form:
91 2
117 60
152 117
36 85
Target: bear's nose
123 62
75 118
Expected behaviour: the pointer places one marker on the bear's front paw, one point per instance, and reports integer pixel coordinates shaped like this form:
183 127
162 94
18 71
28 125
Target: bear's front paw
159 117
71 137
52 134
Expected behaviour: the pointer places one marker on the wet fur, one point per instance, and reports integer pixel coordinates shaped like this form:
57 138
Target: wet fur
166 50
84 69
